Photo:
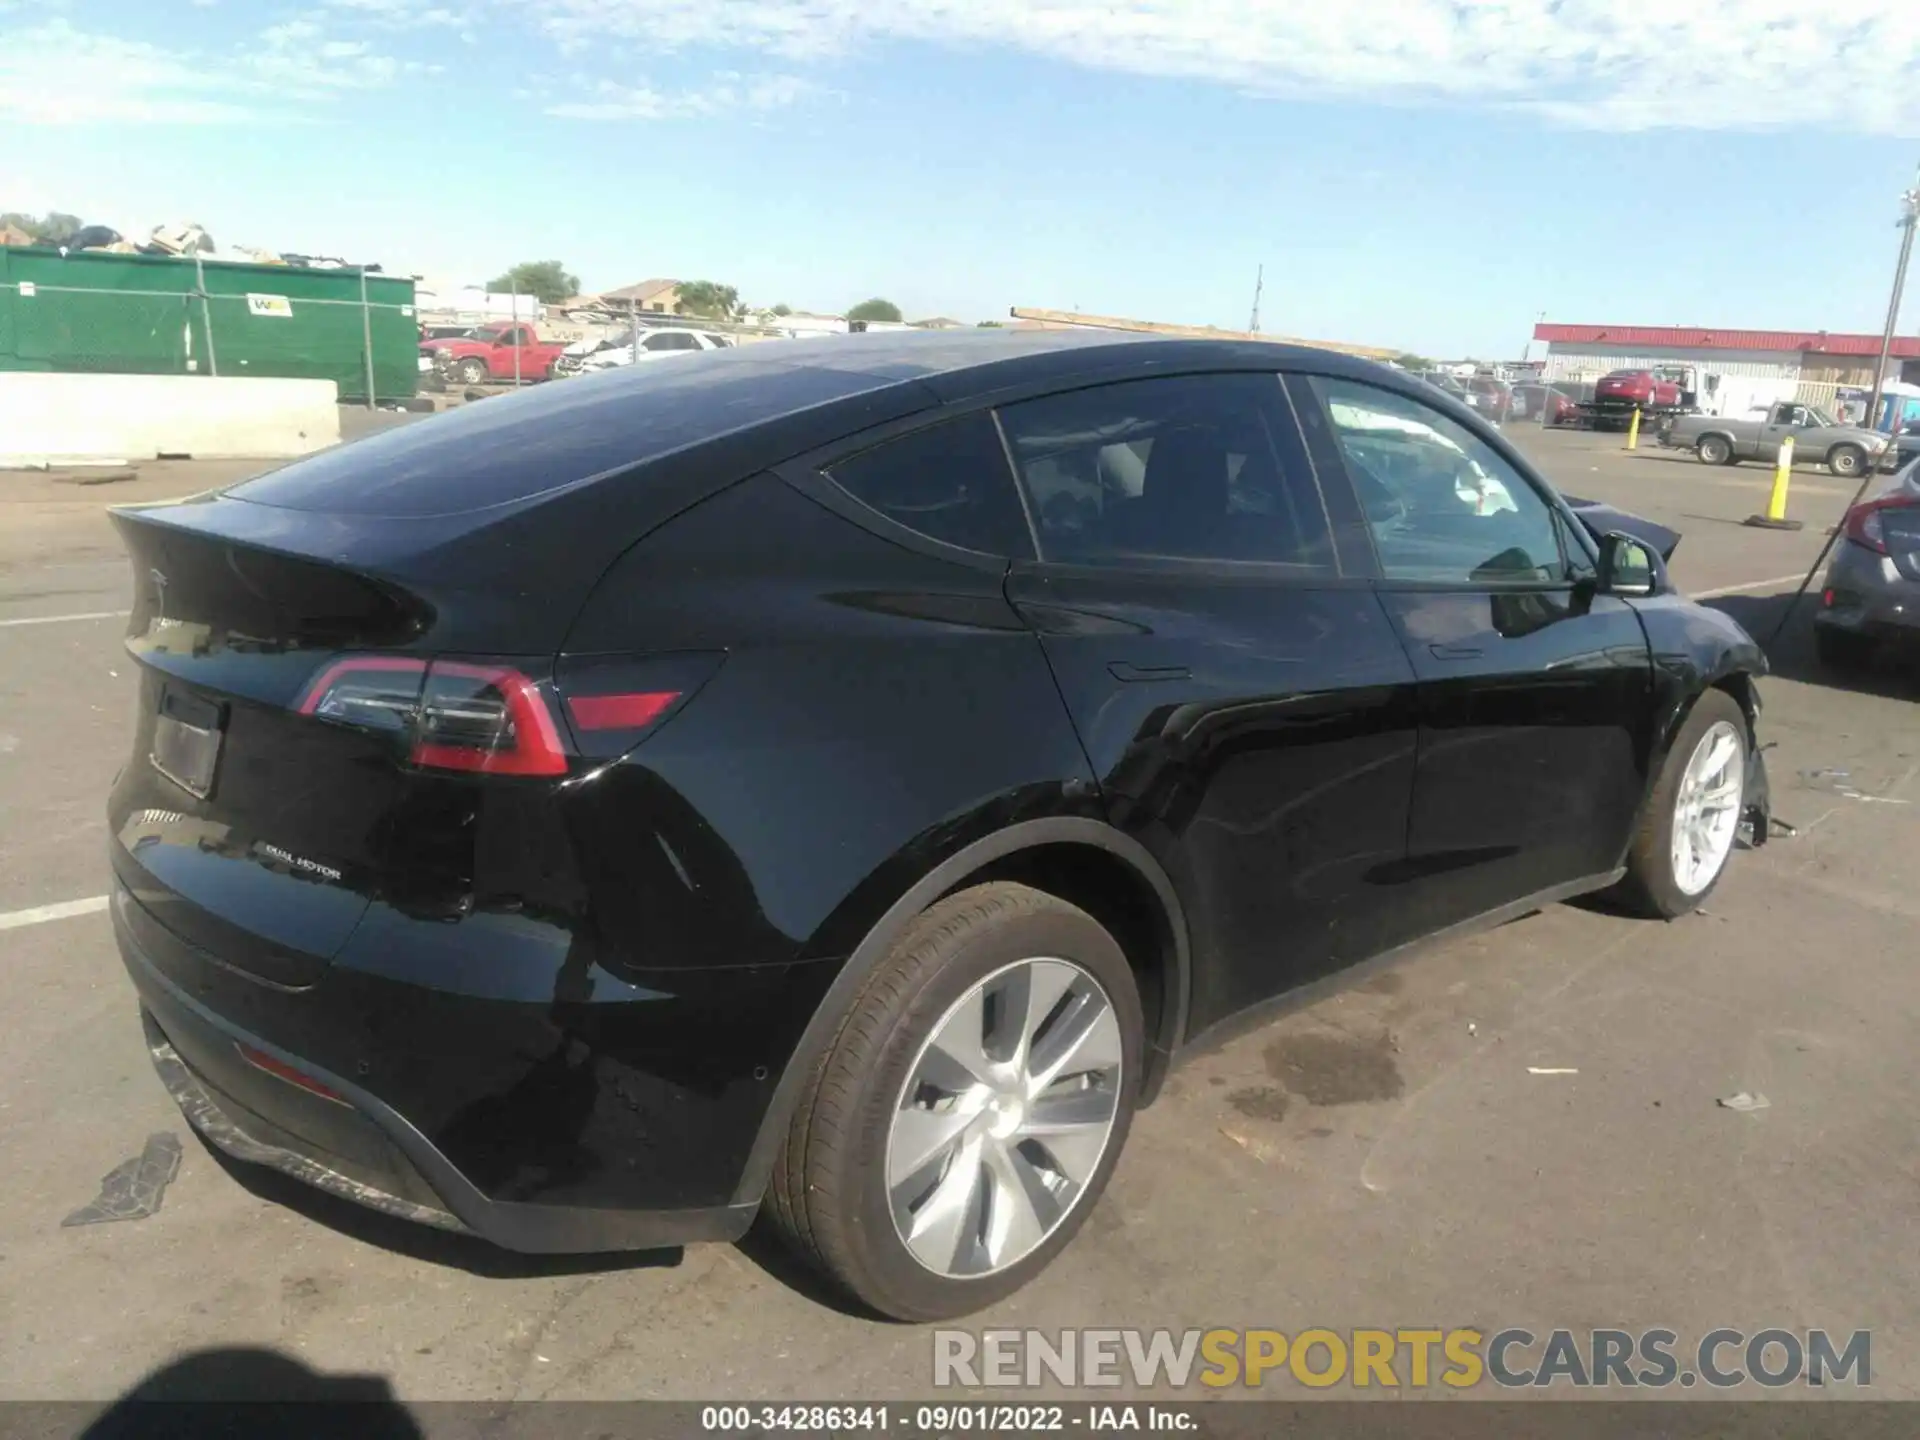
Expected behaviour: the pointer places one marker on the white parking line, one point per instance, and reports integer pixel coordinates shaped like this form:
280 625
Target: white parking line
62 619
1750 585
40 914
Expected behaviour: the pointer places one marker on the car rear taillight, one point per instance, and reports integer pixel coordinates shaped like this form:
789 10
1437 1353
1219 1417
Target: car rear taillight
1867 524
453 715
486 719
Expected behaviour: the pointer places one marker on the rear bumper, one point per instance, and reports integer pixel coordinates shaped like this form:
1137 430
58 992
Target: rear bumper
1870 598
573 1156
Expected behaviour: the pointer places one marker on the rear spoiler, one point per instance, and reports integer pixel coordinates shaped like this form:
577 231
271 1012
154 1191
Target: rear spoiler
1602 519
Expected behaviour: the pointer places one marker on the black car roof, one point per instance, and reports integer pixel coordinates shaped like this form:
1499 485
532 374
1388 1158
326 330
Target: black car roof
768 401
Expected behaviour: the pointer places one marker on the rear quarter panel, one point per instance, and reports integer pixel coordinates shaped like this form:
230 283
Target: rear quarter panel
878 709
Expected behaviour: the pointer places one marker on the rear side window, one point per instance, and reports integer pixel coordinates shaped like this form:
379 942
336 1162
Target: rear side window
949 482
1201 467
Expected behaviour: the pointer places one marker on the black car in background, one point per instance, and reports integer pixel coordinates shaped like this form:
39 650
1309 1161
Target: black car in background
843 778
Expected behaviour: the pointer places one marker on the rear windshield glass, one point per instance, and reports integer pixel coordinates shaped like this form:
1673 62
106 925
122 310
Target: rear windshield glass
497 451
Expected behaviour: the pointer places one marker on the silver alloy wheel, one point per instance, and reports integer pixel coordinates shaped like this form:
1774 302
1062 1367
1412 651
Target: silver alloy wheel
1004 1117
1706 811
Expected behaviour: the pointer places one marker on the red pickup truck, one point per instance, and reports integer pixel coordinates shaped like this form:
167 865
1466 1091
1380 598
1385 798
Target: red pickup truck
489 354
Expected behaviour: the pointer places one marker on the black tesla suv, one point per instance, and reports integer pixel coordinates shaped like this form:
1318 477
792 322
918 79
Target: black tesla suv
840 779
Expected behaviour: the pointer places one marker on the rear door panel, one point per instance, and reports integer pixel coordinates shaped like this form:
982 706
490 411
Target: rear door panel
1260 740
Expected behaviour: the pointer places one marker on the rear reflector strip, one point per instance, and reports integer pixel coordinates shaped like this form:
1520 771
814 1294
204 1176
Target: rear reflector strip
279 1069
619 712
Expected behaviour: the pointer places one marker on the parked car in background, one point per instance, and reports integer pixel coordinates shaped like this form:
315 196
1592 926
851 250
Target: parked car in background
494 352
1906 444
1870 600
1491 396
655 344
1531 399
1619 393
1818 439
837 780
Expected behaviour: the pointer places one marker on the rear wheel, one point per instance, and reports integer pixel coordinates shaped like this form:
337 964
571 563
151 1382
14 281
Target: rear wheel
1847 461
1692 818
971 1110
1713 450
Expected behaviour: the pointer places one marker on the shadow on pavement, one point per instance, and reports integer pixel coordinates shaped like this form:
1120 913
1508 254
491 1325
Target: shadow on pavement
447 1248
247 1390
1893 676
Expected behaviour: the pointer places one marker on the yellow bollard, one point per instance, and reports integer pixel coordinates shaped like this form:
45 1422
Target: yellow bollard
1633 430
1776 516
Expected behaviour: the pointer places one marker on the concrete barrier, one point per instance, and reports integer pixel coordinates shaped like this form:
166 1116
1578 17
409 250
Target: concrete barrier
67 419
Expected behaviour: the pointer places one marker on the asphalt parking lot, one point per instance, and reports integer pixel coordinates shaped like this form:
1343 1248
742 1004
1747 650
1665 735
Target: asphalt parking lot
1381 1158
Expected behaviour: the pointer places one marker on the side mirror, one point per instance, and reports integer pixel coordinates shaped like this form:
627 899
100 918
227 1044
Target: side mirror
1627 566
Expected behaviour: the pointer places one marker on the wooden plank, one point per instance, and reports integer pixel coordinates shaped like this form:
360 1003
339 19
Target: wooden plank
1070 319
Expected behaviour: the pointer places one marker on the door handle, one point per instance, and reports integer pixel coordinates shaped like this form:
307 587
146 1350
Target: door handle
1136 674
1454 652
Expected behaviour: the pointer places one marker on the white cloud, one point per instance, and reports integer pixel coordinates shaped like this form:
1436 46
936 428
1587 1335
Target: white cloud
1606 64
53 74
725 93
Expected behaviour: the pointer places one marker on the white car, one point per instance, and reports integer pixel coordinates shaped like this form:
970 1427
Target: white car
655 344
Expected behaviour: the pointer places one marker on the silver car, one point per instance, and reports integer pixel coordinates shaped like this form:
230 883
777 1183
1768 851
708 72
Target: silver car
1872 590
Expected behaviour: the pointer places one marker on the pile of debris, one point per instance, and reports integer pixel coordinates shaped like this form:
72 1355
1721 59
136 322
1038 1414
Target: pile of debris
185 241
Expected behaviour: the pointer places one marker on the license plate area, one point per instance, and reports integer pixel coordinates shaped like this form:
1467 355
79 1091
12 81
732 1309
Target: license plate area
186 740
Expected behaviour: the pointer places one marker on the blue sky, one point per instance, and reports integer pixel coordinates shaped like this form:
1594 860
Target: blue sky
1430 174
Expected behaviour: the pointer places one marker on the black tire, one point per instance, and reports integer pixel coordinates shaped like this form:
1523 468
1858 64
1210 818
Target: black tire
1842 650
471 371
828 1193
1847 461
1713 450
1649 887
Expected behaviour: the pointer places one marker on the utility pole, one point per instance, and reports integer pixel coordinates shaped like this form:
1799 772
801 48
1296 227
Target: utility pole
1526 351
1909 217
1259 279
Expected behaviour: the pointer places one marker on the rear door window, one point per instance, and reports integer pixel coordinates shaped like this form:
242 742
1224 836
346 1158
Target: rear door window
1202 467
949 482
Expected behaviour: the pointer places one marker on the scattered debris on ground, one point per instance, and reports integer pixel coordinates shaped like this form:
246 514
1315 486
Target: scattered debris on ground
133 1189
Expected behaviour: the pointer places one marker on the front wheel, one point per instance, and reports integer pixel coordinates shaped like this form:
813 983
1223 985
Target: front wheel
1692 818
968 1117
1847 461
471 372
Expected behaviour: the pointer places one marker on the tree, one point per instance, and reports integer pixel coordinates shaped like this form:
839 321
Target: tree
1409 361
781 309
708 299
545 280
56 227
874 309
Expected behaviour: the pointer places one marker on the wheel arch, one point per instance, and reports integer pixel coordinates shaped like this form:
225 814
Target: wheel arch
1084 861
